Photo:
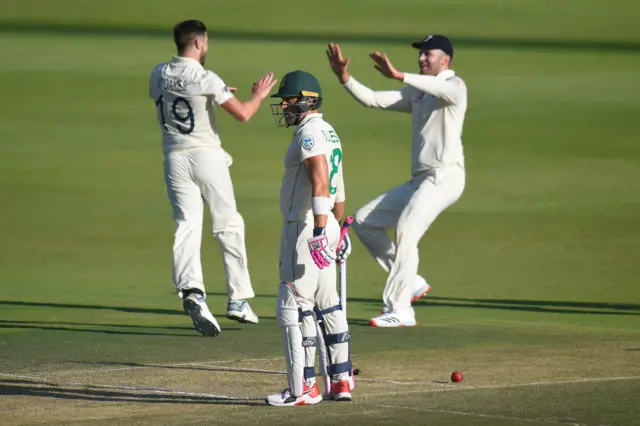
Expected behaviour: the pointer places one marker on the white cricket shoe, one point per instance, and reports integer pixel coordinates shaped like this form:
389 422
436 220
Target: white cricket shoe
239 310
403 318
203 319
310 395
420 288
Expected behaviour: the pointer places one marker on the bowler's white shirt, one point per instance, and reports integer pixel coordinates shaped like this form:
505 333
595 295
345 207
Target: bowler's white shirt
185 94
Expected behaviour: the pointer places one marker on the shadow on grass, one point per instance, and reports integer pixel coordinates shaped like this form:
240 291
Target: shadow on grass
53 28
97 328
100 307
185 366
548 306
544 306
100 394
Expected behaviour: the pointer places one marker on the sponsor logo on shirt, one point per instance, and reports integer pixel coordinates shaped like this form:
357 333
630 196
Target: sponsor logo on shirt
307 142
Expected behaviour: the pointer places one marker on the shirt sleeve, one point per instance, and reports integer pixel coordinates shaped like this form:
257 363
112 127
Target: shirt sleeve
153 83
311 144
395 100
212 85
449 90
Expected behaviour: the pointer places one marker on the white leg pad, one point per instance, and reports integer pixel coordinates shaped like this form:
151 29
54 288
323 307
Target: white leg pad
288 316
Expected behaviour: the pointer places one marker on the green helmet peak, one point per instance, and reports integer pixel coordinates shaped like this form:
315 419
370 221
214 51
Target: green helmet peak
301 85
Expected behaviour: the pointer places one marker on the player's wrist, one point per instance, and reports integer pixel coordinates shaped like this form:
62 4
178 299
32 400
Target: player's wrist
344 77
318 230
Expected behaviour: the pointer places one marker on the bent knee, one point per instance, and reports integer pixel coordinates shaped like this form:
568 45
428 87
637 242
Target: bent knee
231 222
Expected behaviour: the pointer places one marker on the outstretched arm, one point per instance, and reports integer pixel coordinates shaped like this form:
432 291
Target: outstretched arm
223 95
397 100
447 90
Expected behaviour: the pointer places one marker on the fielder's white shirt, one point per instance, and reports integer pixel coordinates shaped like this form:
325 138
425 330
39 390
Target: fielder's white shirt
185 94
313 136
438 105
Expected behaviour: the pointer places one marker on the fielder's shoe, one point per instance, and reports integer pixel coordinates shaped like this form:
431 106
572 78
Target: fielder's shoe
203 319
239 310
341 390
311 395
403 318
420 288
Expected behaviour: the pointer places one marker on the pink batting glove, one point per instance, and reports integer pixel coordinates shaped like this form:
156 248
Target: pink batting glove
321 254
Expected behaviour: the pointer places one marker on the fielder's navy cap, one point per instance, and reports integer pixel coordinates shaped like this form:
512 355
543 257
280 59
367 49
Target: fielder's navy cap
435 41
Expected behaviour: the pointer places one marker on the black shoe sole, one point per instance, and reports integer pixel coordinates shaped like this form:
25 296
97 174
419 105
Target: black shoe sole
201 324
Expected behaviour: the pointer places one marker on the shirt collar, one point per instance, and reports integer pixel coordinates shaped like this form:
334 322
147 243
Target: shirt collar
446 74
309 117
185 60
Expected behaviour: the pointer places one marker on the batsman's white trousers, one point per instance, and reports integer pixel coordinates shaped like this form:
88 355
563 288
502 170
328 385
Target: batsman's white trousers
409 209
304 285
191 176
312 285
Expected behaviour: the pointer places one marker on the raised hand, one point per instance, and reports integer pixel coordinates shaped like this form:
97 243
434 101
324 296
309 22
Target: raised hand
337 62
263 87
384 66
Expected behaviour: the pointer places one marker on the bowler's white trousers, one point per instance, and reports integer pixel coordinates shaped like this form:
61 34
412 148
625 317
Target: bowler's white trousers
191 176
410 209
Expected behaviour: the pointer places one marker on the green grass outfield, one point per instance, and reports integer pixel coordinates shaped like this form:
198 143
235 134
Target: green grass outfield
535 270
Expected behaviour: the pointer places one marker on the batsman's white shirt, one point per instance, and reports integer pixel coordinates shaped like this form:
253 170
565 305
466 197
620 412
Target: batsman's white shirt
313 136
185 94
438 105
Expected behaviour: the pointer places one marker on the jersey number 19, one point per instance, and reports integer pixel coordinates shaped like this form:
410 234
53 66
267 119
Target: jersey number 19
177 105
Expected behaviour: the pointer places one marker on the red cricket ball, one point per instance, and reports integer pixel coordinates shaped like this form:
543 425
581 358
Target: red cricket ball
457 376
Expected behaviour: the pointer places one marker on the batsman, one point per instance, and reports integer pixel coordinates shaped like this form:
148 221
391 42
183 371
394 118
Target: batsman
312 200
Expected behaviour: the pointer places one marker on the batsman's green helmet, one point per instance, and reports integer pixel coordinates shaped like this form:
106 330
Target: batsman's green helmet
299 84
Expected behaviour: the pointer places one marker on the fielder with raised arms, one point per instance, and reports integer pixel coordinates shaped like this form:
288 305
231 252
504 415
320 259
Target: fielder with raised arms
437 100
196 168
311 203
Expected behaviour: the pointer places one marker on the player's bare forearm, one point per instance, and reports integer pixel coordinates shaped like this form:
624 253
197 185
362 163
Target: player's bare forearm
318 173
338 211
242 111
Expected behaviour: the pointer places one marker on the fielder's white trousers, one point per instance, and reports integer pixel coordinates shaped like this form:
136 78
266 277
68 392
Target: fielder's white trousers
409 209
193 176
